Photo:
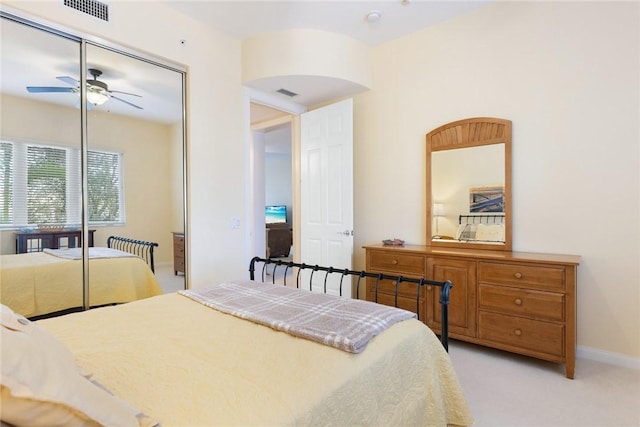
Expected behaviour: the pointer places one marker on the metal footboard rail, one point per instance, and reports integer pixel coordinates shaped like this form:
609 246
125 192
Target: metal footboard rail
445 287
141 248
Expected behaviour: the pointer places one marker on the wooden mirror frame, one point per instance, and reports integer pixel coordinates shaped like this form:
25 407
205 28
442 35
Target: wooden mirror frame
471 132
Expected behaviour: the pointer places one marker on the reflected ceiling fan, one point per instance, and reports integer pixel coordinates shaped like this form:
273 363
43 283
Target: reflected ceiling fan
97 91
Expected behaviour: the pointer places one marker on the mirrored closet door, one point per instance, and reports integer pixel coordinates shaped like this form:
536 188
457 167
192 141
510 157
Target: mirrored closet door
74 173
136 147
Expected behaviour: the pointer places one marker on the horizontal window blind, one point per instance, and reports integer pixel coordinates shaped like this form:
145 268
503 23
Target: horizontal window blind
41 184
46 185
6 183
104 186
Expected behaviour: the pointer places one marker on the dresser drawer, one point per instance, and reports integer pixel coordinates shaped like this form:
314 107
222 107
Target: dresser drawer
178 264
178 250
406 289
533 335
538 304
406 264
522 275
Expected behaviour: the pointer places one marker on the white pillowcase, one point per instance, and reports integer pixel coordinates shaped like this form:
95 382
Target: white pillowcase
42 385
490 232
466 232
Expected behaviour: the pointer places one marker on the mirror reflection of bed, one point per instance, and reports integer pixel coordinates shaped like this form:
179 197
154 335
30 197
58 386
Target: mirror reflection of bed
49 282
144 145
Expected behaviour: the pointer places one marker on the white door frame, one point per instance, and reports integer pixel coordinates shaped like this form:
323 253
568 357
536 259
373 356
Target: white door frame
254 210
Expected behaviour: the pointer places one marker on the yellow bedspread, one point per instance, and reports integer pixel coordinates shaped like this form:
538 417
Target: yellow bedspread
186 364
37 283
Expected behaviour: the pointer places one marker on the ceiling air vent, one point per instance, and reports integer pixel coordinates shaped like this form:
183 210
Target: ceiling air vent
91 7
287 92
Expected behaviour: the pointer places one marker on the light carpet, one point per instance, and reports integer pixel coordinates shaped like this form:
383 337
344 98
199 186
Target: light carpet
505 389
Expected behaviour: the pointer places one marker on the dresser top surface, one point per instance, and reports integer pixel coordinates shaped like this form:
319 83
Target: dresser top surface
483 254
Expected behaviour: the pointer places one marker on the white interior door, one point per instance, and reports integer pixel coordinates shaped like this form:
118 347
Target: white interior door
326 192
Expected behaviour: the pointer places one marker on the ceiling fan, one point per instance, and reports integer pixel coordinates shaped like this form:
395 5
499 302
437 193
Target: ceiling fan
97 91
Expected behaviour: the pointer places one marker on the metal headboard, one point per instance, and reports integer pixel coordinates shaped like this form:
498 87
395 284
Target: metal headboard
481 219
141 248
445 287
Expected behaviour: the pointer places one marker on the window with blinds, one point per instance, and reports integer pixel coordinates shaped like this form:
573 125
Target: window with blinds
46 185
6 181
104 180
41 184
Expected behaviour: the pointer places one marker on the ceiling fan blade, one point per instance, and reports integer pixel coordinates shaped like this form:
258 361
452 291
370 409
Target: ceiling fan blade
69 80
41 89
125 93
126 102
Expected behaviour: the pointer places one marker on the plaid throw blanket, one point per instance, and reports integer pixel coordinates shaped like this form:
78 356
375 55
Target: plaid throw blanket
343 323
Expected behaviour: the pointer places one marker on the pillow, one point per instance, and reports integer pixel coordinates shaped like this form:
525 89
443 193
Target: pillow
466 232
490 232
41 384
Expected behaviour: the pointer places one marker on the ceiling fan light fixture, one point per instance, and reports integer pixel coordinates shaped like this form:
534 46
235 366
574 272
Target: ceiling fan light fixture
96 96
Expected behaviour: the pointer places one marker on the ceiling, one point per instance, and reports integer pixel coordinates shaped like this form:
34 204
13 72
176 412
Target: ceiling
242 19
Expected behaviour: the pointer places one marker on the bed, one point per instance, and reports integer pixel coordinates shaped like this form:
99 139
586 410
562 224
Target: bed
176 360
483 228
50 282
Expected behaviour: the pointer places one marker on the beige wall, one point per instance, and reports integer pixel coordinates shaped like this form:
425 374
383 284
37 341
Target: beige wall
147 150
567 75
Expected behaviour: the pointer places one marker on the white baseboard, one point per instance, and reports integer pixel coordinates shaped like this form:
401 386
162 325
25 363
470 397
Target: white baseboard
608 357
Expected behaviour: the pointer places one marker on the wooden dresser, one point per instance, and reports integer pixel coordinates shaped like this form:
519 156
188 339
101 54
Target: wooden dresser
178 253
515 301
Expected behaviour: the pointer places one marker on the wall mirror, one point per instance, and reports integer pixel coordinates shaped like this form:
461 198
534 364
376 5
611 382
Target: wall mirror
469 184
126 146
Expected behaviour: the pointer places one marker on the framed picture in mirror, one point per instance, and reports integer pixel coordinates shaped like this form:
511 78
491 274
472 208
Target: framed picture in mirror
486 199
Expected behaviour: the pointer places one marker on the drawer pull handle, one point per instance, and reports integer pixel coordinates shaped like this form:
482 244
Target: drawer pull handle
394 262
518 275
518 301
517 332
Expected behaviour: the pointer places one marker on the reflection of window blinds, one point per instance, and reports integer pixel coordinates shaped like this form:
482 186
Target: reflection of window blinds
104 186
42 184
46 185
6 183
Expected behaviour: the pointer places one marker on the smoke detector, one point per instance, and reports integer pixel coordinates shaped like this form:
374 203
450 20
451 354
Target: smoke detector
373 16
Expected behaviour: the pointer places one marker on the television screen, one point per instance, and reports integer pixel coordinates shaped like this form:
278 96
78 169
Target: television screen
275 214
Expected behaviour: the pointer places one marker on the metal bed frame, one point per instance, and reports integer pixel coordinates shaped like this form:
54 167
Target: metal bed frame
478 218
445 287
140 248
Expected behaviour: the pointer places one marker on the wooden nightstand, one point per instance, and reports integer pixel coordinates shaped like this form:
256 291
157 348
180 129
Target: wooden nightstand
178 253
